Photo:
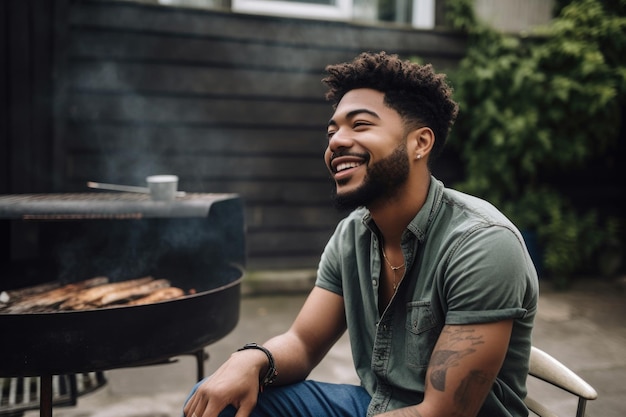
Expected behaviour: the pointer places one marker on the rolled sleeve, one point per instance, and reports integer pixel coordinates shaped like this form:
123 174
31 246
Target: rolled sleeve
488 276
485 316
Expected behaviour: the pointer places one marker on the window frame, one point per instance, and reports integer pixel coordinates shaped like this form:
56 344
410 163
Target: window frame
341 11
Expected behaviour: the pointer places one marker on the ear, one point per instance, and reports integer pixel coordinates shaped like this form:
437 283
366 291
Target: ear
420 142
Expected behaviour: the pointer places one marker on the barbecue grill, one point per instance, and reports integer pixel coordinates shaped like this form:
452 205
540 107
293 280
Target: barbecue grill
196 242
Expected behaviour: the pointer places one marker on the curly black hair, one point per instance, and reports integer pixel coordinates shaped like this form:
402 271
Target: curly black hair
421 96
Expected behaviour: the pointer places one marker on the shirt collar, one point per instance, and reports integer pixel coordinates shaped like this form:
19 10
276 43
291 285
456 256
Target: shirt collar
423 219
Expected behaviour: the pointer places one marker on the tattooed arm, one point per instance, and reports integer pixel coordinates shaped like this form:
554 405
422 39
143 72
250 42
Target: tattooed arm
462 369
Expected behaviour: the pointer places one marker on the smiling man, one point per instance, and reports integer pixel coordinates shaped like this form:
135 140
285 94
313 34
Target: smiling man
435 287
378 180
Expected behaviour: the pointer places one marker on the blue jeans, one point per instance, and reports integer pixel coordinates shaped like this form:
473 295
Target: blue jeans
308 399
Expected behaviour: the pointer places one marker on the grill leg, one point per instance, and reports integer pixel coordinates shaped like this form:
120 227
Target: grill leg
45 396
201 356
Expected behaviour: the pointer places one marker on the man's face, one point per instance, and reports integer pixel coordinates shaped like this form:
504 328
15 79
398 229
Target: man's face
366 153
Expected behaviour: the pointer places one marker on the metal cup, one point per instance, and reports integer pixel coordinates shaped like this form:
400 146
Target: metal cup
162 187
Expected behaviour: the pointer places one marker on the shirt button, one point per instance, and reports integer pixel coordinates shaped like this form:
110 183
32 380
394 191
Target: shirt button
374 282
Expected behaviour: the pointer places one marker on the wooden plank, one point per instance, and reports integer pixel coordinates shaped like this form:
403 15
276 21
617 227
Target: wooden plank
104 137
276 261
304 32
94 167
20 95
148 77
212 51
60 35
286 243
41 80
5 142
291 217
206 110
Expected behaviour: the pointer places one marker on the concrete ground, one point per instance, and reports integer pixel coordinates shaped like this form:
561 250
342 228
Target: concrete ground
582 327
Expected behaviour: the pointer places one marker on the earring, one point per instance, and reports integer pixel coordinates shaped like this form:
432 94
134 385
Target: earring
418 156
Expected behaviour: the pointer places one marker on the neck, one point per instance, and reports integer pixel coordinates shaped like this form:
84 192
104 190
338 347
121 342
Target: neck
393 215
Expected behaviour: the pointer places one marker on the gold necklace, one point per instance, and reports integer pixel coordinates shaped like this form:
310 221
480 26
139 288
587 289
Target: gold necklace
393 269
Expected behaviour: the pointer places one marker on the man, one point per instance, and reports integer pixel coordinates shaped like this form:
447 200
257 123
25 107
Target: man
435 287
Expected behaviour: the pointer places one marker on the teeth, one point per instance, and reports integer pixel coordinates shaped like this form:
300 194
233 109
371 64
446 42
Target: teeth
347 165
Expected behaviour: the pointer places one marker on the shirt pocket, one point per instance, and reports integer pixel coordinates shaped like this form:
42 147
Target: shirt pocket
422 332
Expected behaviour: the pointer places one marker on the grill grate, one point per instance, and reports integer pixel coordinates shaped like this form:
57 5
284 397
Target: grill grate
78 206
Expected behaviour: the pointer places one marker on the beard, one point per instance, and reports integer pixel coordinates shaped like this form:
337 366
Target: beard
382 180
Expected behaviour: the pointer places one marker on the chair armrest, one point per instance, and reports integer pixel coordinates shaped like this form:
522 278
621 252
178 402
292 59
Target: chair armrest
550 370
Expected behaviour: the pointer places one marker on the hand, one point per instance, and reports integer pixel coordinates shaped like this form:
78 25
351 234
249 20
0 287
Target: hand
235 383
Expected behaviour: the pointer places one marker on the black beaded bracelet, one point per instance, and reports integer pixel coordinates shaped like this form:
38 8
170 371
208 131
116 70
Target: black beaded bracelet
272 373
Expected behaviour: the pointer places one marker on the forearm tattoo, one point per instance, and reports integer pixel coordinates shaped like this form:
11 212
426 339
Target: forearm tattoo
456 343
469 395
441 361
444 359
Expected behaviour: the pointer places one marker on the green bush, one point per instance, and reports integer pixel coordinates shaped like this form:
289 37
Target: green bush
534 106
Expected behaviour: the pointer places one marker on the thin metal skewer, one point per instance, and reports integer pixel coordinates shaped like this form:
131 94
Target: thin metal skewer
125 188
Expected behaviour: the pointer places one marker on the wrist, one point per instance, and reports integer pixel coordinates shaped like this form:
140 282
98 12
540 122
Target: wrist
269 376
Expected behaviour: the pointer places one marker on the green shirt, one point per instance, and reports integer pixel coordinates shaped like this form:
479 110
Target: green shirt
466 263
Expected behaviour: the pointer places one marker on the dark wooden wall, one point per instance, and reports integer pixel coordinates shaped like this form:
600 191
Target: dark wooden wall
229 102
27 69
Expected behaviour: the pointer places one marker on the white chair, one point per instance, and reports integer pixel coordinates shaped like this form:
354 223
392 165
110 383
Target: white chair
548 369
